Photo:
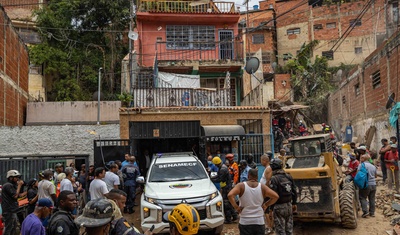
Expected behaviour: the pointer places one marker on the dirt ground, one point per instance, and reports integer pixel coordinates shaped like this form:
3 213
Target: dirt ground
377 225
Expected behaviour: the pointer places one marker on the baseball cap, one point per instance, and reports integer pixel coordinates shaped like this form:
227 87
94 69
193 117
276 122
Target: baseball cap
393 146
45 202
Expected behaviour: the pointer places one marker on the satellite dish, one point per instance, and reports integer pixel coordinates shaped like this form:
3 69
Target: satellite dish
252 65
390 101
133 35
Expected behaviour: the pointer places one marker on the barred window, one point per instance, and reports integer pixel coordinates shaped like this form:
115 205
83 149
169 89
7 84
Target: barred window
190 37
376 79
293 31
258 38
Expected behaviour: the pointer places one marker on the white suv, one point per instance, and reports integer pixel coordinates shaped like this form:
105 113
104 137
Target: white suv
175 178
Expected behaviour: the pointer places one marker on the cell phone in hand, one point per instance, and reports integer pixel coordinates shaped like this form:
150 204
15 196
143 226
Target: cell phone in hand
152 228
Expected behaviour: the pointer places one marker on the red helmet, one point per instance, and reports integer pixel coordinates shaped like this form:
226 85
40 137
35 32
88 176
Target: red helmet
229 156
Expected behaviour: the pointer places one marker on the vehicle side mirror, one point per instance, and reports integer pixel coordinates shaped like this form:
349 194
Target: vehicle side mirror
213 174
140 180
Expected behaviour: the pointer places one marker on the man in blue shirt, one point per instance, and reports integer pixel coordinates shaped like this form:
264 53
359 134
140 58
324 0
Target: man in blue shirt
212 168
244 168
32 224
126 162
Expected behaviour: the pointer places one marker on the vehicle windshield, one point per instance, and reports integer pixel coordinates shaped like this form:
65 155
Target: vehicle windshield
306 148
180 171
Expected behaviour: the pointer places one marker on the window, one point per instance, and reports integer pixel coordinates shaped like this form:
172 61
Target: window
258 38
287 56
293 31
177 171
266 57
357 89
328 54
208 83
317 27
159 39
355 22
331 25
344 99
358 50
376 79
395 12
190 37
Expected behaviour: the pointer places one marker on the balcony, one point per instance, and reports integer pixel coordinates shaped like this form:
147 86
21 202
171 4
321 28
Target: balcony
181 97
186 6
200 51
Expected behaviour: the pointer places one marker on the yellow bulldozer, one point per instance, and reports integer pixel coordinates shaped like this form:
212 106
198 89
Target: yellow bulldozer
323 196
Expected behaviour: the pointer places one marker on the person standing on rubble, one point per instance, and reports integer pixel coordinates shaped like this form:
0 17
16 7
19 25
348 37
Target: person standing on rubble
392 166
368 206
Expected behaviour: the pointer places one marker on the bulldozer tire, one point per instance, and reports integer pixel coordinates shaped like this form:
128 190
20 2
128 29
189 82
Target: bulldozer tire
348 208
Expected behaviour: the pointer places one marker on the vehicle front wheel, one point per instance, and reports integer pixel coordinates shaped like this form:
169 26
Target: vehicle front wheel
348 207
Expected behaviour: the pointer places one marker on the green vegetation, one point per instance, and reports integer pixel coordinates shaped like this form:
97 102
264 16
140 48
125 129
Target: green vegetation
79 37
311 81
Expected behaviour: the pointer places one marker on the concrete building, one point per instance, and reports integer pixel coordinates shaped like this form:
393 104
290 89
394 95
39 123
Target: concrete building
198 42
363 94
14 66
299 22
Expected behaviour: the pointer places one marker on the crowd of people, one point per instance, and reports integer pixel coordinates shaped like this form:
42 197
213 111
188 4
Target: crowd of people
264 207
57 197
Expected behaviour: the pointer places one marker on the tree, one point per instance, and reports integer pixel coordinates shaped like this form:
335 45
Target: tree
79 37
311 81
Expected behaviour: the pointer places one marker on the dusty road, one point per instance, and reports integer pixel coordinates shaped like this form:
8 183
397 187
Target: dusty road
371 226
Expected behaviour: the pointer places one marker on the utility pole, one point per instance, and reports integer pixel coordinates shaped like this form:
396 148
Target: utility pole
98 97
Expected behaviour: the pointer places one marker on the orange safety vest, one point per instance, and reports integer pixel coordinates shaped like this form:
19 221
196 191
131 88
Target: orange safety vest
58 189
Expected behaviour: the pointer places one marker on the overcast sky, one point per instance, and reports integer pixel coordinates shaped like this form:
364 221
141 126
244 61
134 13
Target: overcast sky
240 2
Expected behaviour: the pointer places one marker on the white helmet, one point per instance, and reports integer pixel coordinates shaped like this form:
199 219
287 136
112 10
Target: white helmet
13 173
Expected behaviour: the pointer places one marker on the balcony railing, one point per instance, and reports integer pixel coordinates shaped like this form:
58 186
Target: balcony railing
179 97
222 50
185 6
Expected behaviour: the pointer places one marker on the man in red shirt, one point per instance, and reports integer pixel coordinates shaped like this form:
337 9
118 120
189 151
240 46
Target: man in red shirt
352 169
391 160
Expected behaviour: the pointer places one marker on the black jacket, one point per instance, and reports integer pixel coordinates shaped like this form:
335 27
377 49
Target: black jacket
284 186
62 223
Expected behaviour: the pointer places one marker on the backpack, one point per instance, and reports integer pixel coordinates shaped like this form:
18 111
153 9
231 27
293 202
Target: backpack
361 178
284 187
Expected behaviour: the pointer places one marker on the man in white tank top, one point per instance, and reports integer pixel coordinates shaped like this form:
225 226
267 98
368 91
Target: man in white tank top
251 204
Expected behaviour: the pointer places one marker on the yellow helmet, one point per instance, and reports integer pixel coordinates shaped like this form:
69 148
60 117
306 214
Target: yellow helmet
216 160
186 219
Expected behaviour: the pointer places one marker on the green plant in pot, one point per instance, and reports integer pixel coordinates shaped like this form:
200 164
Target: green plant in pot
125 99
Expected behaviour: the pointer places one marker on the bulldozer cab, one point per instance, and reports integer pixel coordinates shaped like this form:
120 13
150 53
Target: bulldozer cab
316 175
307 151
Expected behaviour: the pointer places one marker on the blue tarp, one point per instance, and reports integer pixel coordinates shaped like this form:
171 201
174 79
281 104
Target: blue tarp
394 114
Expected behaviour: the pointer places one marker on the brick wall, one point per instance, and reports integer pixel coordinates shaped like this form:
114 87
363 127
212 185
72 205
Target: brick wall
14 69
315 23
362 102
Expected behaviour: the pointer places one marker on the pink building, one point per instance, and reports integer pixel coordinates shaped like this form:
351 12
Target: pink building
192 39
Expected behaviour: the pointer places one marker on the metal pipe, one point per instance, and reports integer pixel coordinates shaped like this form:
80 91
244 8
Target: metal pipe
98 98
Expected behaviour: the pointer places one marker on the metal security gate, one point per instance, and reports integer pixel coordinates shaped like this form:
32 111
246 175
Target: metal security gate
110 150
30 166
254 144
226 44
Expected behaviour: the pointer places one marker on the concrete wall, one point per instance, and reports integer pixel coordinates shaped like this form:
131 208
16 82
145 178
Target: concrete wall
79 112
53 140
14 68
